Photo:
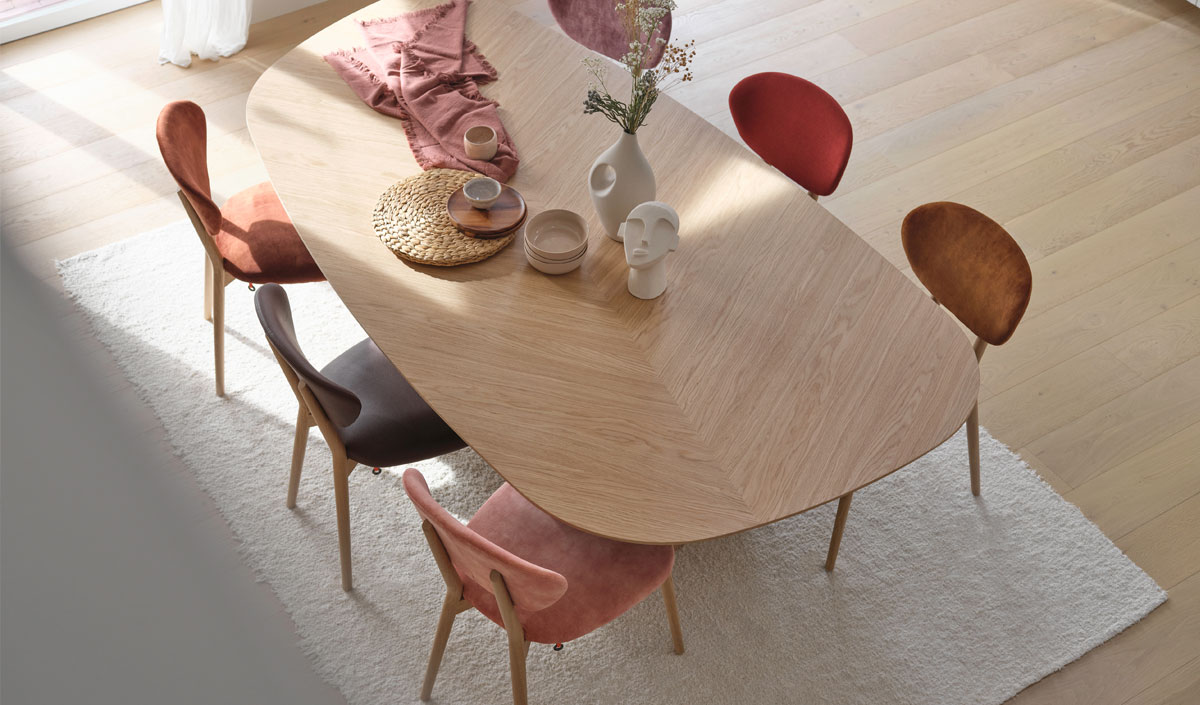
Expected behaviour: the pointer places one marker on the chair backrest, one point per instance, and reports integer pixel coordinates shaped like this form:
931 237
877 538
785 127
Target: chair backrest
531 587
183 141
795 126
597 25
341 405
970 265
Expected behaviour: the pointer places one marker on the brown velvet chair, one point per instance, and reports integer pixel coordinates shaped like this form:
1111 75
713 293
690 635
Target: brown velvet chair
974 268
541 580
250 238
365 409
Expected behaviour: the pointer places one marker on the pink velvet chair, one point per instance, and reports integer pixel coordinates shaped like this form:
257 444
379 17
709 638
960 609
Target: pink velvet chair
541 580
596 25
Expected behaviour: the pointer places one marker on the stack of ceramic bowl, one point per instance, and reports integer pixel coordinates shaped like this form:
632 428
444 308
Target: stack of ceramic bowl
556 241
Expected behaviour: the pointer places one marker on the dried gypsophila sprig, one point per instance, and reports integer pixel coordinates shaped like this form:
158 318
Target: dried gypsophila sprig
642 20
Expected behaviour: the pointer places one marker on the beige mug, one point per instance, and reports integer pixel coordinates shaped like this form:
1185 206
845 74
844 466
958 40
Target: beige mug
479 142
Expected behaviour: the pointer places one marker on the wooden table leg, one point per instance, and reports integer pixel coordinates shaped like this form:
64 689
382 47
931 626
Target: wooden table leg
839 525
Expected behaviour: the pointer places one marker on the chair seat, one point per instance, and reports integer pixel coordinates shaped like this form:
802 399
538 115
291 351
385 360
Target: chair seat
395 425
604 577
259 243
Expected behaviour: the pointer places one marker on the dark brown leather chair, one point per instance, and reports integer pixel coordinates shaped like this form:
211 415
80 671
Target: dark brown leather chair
365 409
973 267
249 239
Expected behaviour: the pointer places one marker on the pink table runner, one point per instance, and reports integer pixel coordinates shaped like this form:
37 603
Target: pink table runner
421 68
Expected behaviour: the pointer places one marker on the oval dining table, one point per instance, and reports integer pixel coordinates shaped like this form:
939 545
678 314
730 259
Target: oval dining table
788 364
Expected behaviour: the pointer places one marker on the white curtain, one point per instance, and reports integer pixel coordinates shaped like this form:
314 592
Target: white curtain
206 28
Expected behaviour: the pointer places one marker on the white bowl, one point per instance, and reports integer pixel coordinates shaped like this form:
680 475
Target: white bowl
556 235
482 192
554 267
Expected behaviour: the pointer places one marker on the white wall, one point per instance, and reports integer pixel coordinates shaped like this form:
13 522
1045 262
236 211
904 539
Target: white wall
266 9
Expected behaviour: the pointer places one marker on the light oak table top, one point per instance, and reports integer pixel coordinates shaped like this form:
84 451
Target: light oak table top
787 363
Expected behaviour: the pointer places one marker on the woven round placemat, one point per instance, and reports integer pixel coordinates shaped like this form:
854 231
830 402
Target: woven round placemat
412 221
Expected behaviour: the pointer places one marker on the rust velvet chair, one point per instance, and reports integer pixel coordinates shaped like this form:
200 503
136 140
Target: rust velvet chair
363 406
250 238
975 269
796 127
596 25
541 580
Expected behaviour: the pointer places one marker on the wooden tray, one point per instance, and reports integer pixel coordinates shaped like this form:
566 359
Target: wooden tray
505 215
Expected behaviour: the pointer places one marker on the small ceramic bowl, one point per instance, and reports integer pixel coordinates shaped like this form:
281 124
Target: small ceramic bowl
554 267
556 235
479 142
482 192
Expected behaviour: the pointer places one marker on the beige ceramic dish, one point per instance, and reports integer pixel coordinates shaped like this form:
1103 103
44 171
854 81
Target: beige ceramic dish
554 266
556 235
479 142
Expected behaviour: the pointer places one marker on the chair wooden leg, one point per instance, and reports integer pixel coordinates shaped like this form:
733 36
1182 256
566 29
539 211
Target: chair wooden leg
208 288
517 649
303 422
973 447
218 319
839 525
450 609
668 593
341 496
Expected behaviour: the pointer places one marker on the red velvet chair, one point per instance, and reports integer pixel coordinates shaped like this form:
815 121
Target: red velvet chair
250 238
596 25
795 127
541 580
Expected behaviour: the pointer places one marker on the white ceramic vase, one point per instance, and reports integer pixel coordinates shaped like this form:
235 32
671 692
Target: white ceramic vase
620 179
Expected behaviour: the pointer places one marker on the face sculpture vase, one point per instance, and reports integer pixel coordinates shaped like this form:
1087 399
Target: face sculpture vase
650 232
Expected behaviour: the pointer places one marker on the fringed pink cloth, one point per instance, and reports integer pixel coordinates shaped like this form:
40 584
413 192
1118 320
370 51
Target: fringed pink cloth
420 67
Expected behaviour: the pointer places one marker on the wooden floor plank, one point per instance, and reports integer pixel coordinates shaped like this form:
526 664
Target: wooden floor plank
1080 33
1150 483
988 135
1182 687
946 46
786 30
1095 156
1057 396
1114 251
1168 546
1124 427
905 102
1169 339
920 19
1112 199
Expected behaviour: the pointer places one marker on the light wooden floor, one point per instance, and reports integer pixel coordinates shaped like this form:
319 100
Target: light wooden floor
1076 123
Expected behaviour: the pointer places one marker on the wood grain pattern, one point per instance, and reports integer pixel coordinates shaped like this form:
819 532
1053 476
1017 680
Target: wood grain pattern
723 405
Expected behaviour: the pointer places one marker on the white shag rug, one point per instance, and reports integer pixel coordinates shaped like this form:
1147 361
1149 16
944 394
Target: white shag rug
938 597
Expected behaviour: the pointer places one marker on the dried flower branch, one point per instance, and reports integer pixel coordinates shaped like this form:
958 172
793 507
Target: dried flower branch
642 20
